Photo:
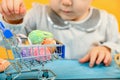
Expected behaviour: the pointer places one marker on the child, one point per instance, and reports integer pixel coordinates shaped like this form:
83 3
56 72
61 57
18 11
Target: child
88 33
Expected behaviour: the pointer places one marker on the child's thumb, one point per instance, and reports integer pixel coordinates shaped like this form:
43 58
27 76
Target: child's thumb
22 9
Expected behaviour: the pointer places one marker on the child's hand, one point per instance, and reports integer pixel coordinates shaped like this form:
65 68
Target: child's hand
12 10
97 55
3 64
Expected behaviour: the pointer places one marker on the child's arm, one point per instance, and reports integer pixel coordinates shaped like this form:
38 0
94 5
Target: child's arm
104 51
12 11
11 15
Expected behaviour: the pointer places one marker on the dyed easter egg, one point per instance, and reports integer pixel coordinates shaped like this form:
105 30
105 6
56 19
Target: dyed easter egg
41 54
37 36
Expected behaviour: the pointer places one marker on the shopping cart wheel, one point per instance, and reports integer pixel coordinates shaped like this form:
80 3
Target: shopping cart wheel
45 74
9 77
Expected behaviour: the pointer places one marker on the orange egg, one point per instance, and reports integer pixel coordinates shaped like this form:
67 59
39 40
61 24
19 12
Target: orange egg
50 41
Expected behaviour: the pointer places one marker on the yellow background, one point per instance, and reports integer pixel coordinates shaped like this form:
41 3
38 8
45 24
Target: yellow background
112 6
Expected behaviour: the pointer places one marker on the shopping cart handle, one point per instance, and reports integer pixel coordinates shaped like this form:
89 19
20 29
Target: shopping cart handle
2 26
6 32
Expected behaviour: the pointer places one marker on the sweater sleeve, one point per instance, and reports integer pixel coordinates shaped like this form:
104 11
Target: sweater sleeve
14 28
29 22
31 18
112 35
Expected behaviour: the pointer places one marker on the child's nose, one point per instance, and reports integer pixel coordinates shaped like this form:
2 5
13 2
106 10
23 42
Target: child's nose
66 2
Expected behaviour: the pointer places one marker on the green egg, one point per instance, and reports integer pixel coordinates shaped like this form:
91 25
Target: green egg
37 36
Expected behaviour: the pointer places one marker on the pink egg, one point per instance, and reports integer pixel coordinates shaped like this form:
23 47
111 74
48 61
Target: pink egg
41 54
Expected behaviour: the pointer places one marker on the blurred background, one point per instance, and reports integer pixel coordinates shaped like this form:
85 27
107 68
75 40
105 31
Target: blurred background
112 6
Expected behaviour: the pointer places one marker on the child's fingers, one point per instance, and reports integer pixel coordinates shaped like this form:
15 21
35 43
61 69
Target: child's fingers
17 4
10 6
107 59
1 11
4 7
100 58
93 58
108 63
22 9
85 59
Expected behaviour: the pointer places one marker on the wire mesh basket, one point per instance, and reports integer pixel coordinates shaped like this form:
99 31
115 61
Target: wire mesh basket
29 58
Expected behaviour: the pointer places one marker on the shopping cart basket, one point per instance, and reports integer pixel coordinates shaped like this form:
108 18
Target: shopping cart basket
29 58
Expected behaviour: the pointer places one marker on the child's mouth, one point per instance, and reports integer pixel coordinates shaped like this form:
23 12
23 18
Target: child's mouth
66 11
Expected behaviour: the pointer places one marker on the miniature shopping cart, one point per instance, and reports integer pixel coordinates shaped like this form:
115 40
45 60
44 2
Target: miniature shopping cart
29 58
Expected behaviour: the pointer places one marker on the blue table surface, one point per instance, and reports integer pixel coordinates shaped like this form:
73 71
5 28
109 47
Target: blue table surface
72 69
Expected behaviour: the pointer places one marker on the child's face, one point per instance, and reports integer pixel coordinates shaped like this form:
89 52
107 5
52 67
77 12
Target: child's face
74 10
